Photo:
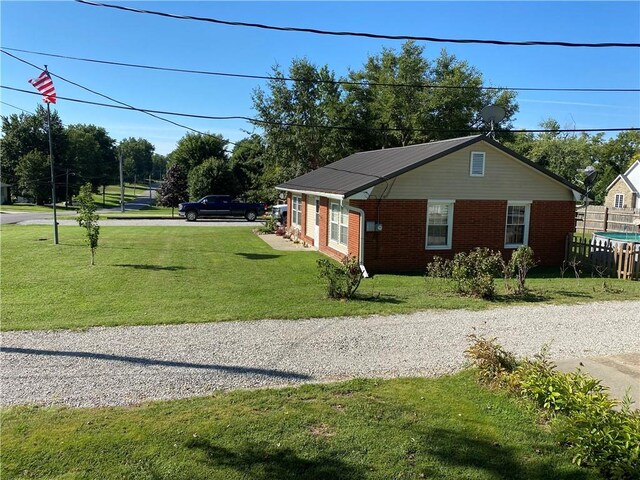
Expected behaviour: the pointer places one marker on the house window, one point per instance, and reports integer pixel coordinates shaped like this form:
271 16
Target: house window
619 201
517 225
338 224
476 168
296 207
439 224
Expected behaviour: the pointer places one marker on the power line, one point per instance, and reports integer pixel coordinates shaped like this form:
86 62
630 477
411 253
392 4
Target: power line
320 81
130 107
17 108
328 127
361 34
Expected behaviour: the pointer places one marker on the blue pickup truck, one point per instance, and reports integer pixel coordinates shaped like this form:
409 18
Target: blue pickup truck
220 206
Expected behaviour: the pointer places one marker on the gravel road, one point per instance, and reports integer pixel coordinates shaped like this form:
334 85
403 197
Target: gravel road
128 365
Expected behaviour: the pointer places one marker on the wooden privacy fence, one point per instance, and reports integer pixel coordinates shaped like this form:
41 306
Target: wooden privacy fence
605 257
605 219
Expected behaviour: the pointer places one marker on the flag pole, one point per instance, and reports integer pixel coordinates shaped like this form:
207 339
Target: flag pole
53 177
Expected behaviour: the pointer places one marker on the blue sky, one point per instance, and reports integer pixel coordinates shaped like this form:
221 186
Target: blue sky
74 29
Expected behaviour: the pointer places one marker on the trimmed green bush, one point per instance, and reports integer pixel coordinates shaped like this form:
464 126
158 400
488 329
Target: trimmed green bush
343 279
474 272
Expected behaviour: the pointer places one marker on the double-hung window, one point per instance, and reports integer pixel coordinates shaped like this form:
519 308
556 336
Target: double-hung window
439 224
296 207
517 224
619 201
338 223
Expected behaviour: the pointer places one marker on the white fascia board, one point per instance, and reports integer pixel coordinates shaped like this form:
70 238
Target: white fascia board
334 196
622 177
363 195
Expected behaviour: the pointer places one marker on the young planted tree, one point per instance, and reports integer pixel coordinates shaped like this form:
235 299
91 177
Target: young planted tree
88 218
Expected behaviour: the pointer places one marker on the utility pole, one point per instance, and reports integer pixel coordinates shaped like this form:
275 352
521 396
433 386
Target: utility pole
121 183
53 178
66 193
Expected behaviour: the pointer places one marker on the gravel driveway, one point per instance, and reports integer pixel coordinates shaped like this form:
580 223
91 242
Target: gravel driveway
127 365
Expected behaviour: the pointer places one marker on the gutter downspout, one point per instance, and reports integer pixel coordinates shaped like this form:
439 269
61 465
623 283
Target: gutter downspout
360 212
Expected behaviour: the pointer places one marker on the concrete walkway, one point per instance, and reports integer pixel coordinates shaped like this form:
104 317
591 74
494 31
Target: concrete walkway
620 373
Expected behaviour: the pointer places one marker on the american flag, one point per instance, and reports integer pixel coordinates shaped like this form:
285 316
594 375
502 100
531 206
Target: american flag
45 86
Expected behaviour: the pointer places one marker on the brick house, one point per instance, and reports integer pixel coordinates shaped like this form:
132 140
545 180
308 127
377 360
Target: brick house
396 208
623 191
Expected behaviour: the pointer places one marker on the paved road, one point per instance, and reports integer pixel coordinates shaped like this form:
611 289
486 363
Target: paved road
126 365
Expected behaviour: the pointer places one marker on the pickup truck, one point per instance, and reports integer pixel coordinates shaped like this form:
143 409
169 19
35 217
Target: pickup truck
220 206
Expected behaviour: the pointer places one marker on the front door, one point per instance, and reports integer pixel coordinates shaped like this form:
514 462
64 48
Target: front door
316 227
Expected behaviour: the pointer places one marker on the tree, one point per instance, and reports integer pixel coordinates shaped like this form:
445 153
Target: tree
194 149
24 133
247 164
391 111
88 218
137 157
159 165
34 176
91 156
213 176
296 120
173 190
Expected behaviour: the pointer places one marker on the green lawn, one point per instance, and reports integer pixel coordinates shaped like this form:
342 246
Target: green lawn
155 275
446 428
32 208
112 194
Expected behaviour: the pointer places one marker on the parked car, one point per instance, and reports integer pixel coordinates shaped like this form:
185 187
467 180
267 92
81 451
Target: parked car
220 206
279 213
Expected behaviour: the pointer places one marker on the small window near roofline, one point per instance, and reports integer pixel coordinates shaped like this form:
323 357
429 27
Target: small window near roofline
476 167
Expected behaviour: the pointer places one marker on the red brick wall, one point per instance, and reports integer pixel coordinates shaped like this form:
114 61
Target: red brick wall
354 234
549 225
400 246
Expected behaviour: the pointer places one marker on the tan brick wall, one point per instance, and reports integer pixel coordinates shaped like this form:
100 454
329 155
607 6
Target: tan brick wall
620 187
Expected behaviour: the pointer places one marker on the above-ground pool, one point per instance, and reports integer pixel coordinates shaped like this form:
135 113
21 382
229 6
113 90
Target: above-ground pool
617 237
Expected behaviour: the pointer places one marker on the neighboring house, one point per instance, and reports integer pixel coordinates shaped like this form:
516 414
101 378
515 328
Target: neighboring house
396 208
4 193
623 191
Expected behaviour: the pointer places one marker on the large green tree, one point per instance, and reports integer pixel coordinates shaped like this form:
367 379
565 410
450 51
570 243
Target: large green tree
298 119
33 176
213 176
195 148
247 164
403 98
25 133
137 157
90 157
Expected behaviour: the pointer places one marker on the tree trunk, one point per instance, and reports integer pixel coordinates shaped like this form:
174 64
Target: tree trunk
93 256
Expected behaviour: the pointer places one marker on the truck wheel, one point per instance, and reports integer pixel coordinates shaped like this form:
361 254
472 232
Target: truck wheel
250 216
192 215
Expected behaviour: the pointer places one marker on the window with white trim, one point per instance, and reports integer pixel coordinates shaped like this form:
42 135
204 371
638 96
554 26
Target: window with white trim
619 201
439 224
296 210
338 223
517 224
476 164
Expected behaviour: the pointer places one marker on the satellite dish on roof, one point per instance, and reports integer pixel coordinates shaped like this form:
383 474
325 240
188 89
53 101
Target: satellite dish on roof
492 114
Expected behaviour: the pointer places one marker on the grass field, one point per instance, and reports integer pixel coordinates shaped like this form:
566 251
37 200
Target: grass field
112 194
446 428
155 275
